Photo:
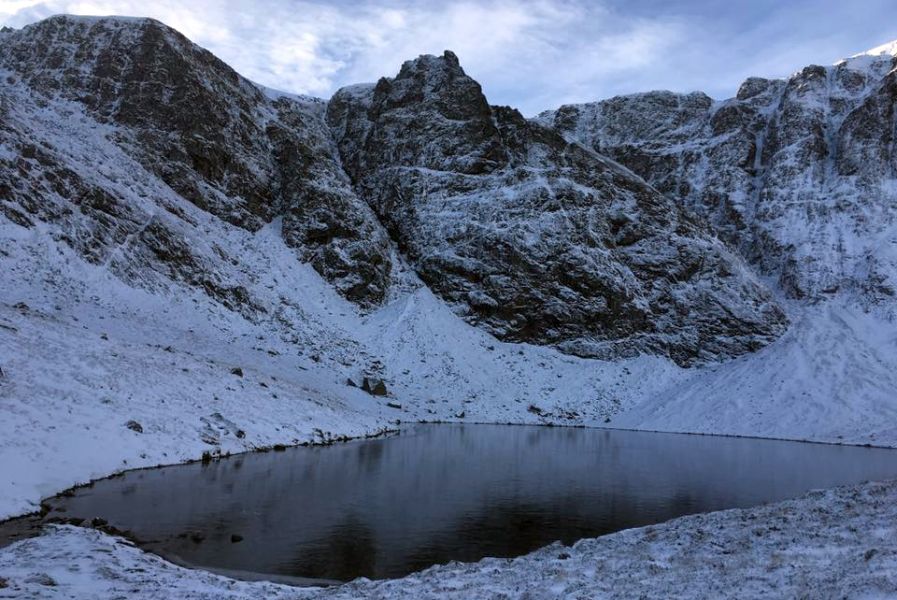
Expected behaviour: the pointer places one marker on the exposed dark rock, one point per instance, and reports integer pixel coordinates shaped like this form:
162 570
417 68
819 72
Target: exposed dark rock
217 140
237 371
534 238
790 172
322 215
41 579
525 228
374 386
134 426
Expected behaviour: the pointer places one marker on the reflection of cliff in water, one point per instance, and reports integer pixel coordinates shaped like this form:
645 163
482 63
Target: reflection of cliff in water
384 508
351 552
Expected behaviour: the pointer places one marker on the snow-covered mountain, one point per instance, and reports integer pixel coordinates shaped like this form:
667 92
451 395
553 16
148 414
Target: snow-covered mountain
523 233
799 175
537 239
211 260
199 130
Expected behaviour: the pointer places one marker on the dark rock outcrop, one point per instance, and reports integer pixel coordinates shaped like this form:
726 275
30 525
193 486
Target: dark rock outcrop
800 175
222 143
535 238
374 386
130 140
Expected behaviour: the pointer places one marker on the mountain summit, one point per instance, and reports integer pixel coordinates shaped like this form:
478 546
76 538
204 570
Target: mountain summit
530 236
196 127
799 175
888 49
537 239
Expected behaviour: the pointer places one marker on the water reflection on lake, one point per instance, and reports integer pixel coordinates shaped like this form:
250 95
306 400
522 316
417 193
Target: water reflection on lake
384 508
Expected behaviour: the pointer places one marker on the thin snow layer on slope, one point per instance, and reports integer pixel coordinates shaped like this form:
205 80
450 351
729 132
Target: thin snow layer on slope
807 547
83 354
831 378
293 333
477 378
797 174
143 97
99 377
538 240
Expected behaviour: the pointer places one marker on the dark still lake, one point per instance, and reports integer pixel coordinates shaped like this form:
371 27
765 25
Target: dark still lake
436 493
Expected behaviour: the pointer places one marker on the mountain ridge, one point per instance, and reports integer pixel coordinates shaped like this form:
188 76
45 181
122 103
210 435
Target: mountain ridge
211 136
651 279
797 173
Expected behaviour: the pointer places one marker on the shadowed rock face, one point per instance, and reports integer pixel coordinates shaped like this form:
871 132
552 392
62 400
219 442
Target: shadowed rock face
214 138
800 174
537 239
128 137
191 118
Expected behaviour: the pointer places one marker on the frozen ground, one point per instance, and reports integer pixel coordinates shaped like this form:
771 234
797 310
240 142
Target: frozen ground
830 378
838 543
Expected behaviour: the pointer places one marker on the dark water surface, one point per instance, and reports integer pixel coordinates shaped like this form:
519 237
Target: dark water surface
435 493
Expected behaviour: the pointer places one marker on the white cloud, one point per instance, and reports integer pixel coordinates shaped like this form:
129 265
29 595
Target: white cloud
533 54
315 47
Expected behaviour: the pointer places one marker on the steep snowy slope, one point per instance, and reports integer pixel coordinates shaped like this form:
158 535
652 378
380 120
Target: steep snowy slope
128 297
83 355
536 239
799 174
196 127
149 329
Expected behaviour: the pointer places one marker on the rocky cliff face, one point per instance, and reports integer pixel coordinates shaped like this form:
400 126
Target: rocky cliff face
122 139
800 174
535 238
214 138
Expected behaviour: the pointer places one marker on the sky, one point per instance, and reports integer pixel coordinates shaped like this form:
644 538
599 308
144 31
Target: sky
531 54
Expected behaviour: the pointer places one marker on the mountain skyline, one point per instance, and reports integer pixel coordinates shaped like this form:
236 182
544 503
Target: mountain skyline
532 55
